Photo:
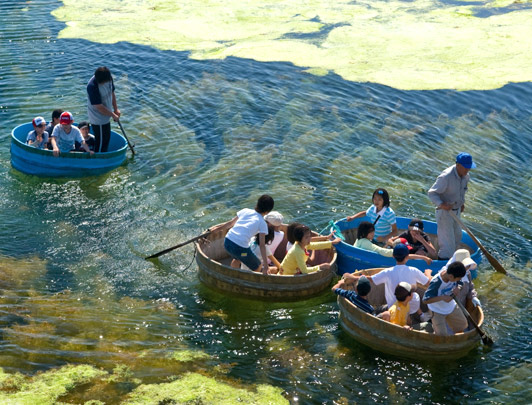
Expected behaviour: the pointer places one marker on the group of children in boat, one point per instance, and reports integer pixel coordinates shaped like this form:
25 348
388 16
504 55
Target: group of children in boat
254 236
59 135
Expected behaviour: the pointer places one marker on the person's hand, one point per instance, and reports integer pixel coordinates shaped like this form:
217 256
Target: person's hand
118 113
416 235
428 260
389 242
447 298
91 152
115 117
456 291
350 218
56 151
476 302
462 208
265 268
336 241
38 138
446 206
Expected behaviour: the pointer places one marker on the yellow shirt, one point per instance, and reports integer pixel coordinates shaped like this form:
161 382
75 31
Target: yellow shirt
296 258
399 313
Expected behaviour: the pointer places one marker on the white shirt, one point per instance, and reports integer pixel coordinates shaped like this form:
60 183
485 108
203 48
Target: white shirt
249 223
277 239
392 276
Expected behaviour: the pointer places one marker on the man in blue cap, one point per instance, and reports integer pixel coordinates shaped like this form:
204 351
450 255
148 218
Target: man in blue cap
448 194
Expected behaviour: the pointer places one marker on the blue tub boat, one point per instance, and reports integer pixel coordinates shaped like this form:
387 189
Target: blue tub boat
351 258
39 162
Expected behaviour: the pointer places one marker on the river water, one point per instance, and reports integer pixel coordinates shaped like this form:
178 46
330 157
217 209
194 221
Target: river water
211 135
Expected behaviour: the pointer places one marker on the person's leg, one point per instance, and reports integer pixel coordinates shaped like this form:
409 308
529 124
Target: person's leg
445 234
457 232
106 136
439 324
97 132
457 320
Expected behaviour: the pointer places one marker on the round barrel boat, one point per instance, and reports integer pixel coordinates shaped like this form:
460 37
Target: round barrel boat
215 271
42 162
396 340
351 258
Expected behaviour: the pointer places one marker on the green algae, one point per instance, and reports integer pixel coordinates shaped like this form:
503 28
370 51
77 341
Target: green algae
45 388
197 388
188 355
416 45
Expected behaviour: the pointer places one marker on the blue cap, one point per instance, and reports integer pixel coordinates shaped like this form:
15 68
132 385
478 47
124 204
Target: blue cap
466 160
400 251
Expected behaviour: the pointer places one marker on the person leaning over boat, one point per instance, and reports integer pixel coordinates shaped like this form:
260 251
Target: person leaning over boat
244 227
295 261
417 239
467 290
392 276
445 312
65 135
358 298
38 138
101 106
448 193
381 215
255 248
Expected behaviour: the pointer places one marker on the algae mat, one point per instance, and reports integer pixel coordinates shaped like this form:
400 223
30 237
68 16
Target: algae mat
422 44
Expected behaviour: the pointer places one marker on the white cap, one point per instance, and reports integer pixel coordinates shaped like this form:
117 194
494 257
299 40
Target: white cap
274 217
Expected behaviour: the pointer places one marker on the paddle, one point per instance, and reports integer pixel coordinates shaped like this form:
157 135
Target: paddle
485 338
125 136
162 252
496 265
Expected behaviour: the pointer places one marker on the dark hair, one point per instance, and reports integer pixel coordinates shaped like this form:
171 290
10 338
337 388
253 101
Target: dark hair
364 229
384 194
57 113
268 237
401 293
290 232
300 232
456 269
102 75
264 204
84 124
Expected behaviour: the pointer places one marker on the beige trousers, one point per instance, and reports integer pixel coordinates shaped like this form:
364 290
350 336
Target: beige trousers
456 321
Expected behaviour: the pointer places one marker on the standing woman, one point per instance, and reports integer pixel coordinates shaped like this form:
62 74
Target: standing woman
102 107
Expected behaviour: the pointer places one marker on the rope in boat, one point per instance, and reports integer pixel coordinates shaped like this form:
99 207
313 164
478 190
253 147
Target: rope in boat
193 258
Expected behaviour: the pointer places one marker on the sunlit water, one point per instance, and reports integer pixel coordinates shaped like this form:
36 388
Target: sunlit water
211 136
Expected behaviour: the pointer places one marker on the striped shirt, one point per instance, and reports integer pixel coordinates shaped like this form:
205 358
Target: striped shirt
352 296
384 225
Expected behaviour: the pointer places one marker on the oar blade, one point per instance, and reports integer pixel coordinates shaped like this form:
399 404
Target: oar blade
494 262
486 340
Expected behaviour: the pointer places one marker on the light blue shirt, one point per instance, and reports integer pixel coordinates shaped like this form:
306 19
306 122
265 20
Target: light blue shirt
384 225
66 142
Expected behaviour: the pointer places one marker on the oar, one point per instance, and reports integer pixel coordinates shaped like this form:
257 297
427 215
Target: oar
125 136
485 338
496 265
162 252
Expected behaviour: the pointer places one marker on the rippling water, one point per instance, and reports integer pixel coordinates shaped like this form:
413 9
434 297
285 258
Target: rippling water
211 136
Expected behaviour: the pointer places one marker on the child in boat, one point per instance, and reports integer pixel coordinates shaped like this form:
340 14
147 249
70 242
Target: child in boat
90 140
65 135
399 312
244 227
256 250
417 239
446 315
358 298
468 288
38 138
56 116
380 215
276 219
295 261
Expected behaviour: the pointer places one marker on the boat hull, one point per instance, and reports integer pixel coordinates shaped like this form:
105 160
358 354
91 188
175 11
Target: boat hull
214 271
38 162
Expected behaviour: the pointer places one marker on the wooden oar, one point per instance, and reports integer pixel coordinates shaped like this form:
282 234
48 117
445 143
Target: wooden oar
496 265
162 252
485 338
125 136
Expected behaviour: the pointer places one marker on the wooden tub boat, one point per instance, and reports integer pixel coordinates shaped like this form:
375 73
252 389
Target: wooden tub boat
215 271
392 339
351 258
39 162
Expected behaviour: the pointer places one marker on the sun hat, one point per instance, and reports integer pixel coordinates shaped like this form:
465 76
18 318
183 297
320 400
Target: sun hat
274 217
66 118
466 160
463 255
363 286
38 121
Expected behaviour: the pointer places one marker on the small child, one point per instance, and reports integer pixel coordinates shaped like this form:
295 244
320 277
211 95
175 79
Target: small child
255 248
398 313
381 215
295 261
38 138
360 298
244 227
276 219
90 140
365 234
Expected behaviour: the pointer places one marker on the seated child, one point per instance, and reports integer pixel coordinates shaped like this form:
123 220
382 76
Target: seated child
38 138
90 140
365 234
276 219
254 245
398 313
468 288
295 261
418 240
360 298
290 235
